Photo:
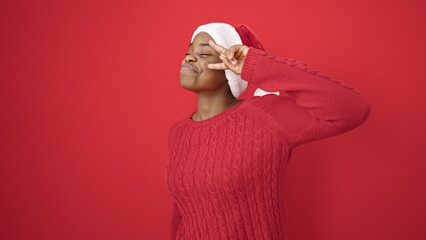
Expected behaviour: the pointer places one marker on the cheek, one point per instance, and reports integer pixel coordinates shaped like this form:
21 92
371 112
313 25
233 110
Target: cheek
211 72
211 61
214 75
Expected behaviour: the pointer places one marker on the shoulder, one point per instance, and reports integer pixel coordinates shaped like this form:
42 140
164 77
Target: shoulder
280 112
269 102
281 108
176 125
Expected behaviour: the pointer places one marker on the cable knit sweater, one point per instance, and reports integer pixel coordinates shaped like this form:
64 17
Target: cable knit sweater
226 173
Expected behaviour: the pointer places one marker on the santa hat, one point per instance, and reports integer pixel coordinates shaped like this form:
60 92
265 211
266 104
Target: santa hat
228 36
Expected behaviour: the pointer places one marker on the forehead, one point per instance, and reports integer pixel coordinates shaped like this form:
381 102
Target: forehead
202 36
201 40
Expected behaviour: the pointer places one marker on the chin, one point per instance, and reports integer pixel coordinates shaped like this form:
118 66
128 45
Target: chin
187 83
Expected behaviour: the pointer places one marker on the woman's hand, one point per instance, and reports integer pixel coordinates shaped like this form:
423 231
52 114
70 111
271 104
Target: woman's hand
234 59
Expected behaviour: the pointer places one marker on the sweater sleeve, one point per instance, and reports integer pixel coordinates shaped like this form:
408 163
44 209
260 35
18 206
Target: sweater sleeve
317 105
176 220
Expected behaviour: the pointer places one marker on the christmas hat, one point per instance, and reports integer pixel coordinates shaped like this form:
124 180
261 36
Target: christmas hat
228 36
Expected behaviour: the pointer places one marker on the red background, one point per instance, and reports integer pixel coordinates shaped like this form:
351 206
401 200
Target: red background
90 88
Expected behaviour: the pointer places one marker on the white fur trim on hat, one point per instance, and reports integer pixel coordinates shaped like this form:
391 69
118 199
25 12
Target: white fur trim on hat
226 36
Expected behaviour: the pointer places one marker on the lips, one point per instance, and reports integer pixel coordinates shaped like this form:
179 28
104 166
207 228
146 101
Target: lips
189 67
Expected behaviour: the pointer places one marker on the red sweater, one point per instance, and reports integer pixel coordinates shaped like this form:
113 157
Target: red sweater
226 173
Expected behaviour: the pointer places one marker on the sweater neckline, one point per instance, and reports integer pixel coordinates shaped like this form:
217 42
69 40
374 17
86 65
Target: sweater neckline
215 118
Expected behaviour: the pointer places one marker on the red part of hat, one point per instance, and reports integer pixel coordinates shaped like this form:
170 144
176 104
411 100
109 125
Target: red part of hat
248 37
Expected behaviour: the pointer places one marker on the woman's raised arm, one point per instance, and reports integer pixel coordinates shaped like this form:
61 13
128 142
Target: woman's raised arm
319 105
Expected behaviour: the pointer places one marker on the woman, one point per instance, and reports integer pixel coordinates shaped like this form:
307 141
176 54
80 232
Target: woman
228 159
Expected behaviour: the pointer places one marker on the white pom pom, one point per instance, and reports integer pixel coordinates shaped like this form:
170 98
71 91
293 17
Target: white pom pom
261 92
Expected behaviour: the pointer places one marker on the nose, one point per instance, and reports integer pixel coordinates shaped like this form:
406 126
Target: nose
189 57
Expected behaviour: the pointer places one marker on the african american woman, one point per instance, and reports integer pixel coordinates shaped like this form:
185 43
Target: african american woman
227 159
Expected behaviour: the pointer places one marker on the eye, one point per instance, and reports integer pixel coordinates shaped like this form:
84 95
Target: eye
203 54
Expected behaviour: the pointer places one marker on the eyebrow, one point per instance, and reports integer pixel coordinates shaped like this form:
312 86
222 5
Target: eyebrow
202 45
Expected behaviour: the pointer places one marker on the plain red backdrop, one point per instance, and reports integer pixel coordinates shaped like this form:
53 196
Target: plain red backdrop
89 90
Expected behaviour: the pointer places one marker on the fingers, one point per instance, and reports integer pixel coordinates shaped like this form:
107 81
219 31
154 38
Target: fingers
226 61
217 66
217 47
231 54
224 65
233 67
221 50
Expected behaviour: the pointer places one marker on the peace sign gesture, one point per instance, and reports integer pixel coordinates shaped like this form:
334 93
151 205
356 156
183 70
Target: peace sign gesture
232 58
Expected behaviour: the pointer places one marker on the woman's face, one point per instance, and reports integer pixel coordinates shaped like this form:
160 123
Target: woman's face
199 55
